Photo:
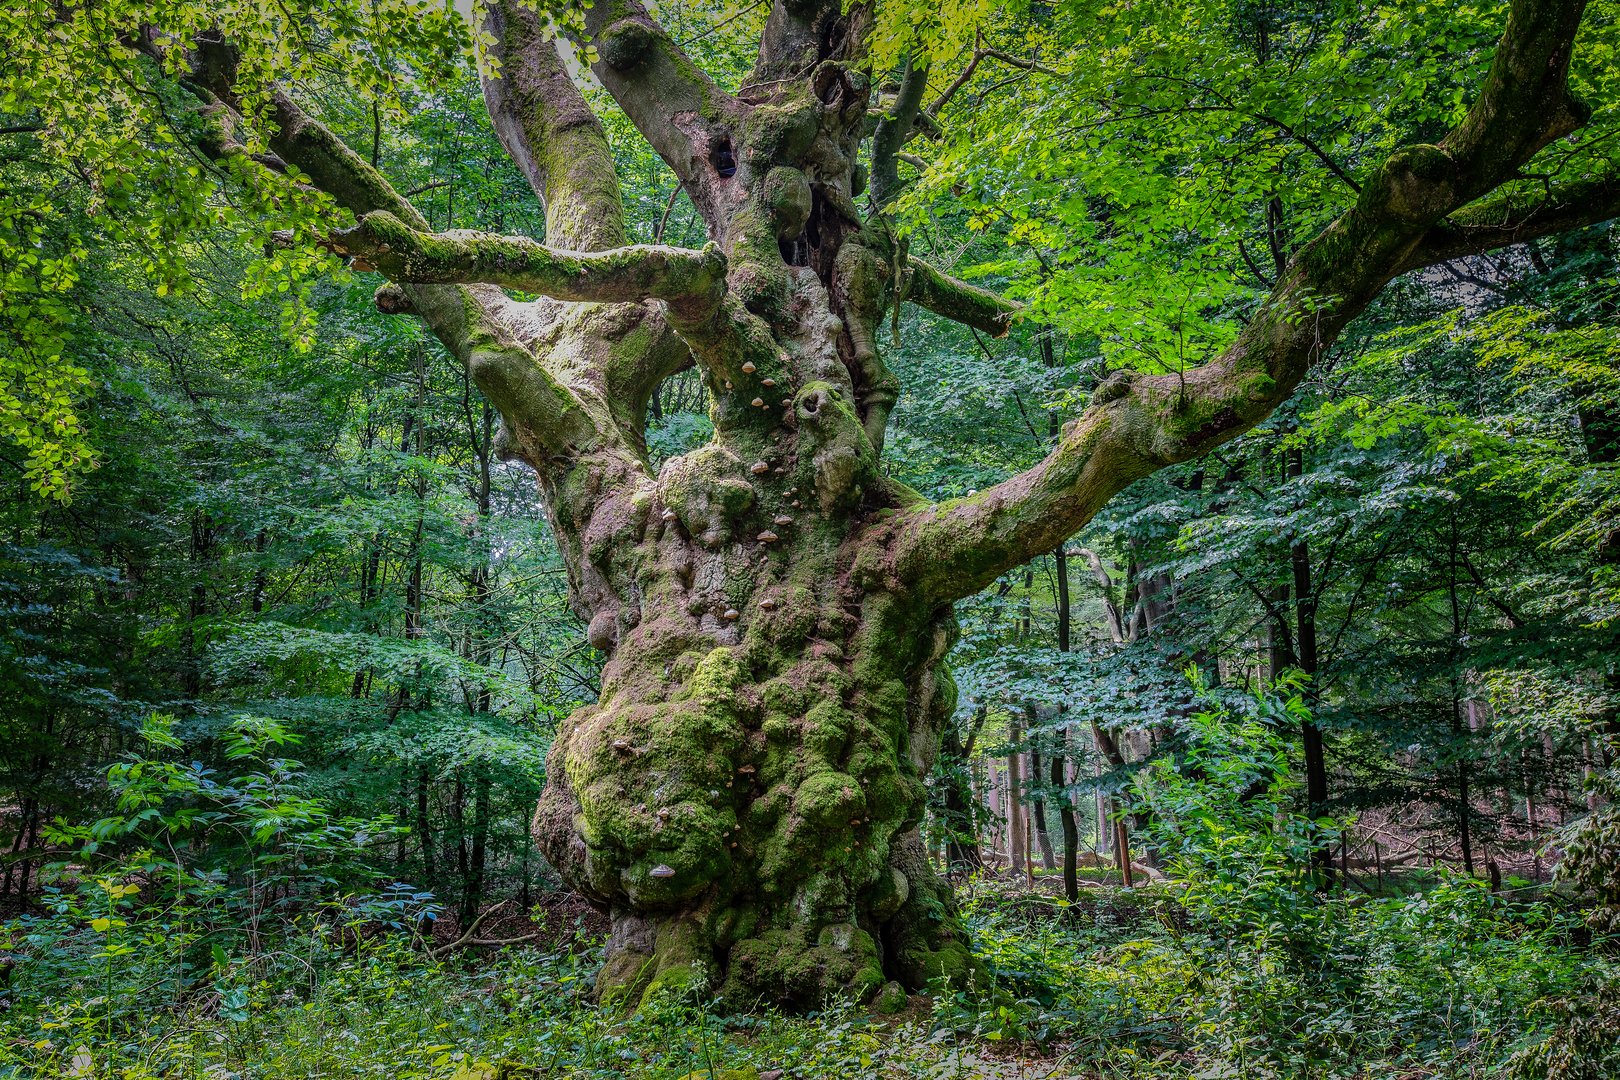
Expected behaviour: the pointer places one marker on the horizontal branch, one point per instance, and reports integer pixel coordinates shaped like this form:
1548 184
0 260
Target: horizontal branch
957 300
1518 218
691 282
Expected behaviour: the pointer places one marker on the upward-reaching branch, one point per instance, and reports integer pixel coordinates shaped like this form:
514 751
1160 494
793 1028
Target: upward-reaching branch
672 102
893 131
799 34
551 132
1137 424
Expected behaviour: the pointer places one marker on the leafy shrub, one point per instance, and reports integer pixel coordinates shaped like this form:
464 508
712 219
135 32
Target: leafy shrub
196 888
1222 814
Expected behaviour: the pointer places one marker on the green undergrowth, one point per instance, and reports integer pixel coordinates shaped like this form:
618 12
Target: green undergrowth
208 931
1123 984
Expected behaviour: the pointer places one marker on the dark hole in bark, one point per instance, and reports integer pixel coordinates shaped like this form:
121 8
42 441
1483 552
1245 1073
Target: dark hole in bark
831 85
833 32
795 252
723 158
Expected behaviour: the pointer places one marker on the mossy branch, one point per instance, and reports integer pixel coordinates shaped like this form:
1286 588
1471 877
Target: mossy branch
477 323
691 282
957 300
893 131
1517 218
550 130
1413 211
655 82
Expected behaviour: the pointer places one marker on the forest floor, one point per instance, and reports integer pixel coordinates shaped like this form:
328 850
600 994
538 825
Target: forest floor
1446 982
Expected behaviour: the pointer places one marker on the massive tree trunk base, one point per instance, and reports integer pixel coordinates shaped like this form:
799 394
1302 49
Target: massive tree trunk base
747 812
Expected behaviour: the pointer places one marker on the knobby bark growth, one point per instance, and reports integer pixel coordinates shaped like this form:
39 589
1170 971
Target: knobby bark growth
744 798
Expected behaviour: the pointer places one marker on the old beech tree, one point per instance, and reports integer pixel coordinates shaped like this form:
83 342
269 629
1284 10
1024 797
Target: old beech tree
744 799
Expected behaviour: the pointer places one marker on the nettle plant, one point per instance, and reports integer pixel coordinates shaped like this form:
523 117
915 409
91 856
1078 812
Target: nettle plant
774 609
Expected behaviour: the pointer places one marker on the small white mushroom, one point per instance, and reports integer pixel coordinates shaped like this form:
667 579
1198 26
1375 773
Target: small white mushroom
767 537
768 604
668 515
767 382
748 367
759 467
731 613
662 871
759 403
621 745
783 519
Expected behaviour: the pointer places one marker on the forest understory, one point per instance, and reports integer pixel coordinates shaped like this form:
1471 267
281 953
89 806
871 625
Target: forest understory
1124 983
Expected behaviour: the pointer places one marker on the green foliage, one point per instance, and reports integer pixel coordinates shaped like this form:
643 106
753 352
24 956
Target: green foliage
296 516
1450 982
1589 862
183 824
1222 815
192 889
77 100
208 927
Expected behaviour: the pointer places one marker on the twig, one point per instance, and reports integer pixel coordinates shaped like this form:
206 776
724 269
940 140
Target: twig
467 935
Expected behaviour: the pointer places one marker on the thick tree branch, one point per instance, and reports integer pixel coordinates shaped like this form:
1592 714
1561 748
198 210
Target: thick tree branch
671 101
478 324
295 136
1517 218
893 131
691 282
546 125
334 167
957 300
551 131
801 33
1139 423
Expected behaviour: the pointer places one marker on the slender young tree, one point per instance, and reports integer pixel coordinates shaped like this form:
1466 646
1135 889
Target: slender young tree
744 798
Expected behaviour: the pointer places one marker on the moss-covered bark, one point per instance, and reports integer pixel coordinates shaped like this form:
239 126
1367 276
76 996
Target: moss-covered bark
744 797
